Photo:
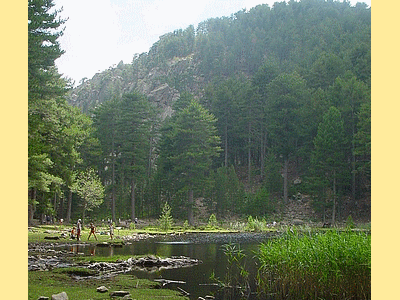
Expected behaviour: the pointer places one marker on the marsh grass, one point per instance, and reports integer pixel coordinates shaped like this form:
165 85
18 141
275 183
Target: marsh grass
254 224
235 284
315 265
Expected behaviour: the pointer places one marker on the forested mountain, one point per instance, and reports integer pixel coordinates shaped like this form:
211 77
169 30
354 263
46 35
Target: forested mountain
319 40
242 112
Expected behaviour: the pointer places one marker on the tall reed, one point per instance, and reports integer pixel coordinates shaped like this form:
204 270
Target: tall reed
330 265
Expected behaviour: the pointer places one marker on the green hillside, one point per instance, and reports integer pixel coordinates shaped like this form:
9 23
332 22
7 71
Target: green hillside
242 113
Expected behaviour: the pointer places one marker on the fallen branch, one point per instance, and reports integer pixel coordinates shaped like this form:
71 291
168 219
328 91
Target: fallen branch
166 281
183 292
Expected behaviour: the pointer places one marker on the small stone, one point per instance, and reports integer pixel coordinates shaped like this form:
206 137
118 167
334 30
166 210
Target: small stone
43 298
60 296
297 222
119 293
102 289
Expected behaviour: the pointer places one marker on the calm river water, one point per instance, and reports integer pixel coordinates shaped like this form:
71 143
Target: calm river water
203 246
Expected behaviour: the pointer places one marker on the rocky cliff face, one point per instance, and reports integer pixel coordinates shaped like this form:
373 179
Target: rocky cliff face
162 83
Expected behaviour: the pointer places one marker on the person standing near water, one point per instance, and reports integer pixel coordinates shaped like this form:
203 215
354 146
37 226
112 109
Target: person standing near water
78 229
92 231
111 230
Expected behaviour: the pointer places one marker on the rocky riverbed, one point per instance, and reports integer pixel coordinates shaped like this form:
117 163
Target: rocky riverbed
47 256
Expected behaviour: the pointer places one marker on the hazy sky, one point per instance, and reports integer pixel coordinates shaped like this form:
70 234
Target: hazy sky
101 33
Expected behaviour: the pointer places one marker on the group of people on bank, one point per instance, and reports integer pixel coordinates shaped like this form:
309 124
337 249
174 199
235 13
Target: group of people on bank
76 232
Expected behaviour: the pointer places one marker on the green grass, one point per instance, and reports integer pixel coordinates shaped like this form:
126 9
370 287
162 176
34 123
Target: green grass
46 283
75 271
317 265
38 234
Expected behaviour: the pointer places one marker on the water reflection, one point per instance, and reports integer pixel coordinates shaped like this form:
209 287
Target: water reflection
207 248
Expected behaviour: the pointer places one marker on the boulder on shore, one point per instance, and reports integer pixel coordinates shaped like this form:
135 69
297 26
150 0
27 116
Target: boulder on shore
119 293
102 289
60 296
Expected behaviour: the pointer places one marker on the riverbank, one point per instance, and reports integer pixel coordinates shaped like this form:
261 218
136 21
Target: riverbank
48 283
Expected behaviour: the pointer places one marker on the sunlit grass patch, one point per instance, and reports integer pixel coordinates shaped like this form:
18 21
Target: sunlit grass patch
45 283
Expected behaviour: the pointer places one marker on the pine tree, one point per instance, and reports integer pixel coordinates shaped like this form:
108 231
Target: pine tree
43 49
328 157
134 127
189 143
286 96
44 84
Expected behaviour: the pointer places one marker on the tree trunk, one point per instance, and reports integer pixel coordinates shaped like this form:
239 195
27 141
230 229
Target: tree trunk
353 168
113 185
249 157
334 199
83 213
55 204
133 200
150 157
31 206
226 145
262 154
61 209
190 207
69 208
285 180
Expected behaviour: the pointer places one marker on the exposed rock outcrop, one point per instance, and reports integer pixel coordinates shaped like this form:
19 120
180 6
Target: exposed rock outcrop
149 263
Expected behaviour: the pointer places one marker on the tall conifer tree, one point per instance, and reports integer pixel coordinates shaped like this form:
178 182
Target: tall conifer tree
189 143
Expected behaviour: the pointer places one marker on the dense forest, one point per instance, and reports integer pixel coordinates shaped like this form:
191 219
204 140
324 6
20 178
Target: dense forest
243 114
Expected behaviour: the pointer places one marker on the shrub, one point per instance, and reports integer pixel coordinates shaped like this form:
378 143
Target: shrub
212 222
253 224
260 203
165 221
350 222
186 225
239 226
132 226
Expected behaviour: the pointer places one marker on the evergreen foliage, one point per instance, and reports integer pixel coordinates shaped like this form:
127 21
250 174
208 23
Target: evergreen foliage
189 143
56 130
328 157
165 220
257 99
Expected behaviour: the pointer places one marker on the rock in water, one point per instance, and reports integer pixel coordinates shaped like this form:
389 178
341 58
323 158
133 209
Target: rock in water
60 296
